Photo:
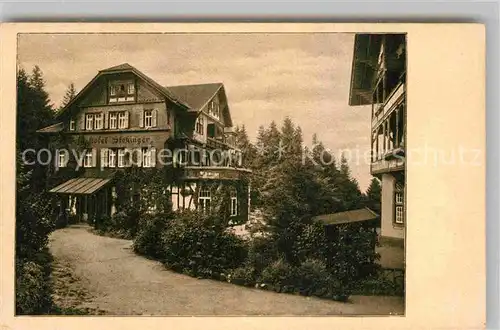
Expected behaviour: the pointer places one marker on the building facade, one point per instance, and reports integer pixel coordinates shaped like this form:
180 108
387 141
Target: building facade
378 79
123 118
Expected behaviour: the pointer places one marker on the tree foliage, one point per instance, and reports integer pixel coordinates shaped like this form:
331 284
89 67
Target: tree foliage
68 95
33 205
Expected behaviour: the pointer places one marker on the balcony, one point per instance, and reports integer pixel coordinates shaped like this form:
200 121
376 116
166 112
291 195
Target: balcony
392 161
384 110
214 173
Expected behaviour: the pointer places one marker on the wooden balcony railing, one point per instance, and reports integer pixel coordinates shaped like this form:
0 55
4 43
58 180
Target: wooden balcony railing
214 172
384 110
391 162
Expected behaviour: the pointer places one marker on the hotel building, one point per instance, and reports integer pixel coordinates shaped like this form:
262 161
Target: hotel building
123 118
378 79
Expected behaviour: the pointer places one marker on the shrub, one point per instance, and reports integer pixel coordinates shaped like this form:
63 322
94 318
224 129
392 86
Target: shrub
313 277
103 223
311 243
148 239
122 224
261 253
33 288
196 245
244 275
279 274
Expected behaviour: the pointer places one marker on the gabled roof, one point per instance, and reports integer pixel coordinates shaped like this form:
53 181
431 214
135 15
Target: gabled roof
196 96
125 67
351 216
52 128
120 67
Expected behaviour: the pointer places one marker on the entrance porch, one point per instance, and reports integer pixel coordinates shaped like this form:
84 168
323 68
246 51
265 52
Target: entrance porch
84 199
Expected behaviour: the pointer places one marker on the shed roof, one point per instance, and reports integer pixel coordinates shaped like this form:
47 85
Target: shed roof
83 186
364 214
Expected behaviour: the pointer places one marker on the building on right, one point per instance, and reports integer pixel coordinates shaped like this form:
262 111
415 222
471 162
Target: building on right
378 80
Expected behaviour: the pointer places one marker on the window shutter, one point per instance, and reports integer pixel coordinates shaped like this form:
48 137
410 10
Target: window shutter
153 120
104 157
141 119
82 121
101 115
127 123
139 157
153 157
94 158
106 120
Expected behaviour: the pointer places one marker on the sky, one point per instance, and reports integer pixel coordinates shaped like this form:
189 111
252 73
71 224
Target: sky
266 76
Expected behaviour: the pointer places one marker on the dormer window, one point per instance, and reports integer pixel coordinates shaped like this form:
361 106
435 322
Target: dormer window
121 91
130 89
213 108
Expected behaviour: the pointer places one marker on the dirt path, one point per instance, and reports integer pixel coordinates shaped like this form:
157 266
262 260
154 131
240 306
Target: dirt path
121 283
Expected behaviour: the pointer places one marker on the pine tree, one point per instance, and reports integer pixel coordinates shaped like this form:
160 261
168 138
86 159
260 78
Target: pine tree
33 213
247 149
348 187
373 195
69 95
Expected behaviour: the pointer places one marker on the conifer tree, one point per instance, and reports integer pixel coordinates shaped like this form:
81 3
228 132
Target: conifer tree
373 195
69 95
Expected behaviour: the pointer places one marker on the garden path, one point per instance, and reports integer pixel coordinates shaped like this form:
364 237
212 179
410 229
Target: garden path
119 282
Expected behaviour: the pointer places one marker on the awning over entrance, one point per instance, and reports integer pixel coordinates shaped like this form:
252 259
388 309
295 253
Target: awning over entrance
83 186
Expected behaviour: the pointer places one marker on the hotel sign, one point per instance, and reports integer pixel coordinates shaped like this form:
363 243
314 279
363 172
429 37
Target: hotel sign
209 175
129 140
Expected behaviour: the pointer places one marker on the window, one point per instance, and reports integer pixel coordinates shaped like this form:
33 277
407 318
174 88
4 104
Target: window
98 122
121 158
130 89
88 160
113 120
121 92
200 125
146 157
213 108
72 125
148 118
234 206
112 158
89 122
399 217
122 120
204 200
62 159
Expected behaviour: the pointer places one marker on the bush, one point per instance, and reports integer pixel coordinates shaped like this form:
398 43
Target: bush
279 274
261 253
244 275
311 243
103 223
33 286
196 245
148 239
123 224
313 277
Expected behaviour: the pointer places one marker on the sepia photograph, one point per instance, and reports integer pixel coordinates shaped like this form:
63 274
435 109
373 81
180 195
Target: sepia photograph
210 174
